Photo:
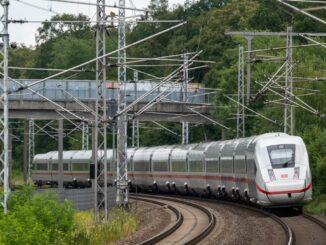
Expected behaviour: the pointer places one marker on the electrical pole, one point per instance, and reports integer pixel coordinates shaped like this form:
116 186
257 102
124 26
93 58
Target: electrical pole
100 137
31 147
60 154
122 170
85 136
185 125
241 96
135 122
288 107
249 42
4 117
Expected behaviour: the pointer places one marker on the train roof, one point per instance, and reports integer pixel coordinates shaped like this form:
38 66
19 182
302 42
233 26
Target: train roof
279 139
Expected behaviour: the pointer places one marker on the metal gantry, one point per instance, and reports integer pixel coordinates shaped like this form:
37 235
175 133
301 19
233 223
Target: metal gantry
135 133
288 106
100 137
85 136
241 96
4 117
307 10
31 146
135 122
122 171
185 125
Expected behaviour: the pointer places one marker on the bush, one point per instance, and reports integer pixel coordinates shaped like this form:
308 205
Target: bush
120 223
317 206
36 219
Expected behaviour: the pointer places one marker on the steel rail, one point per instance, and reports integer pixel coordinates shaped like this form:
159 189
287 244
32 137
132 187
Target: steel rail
165 233
289 233
290 236
314 220
210 215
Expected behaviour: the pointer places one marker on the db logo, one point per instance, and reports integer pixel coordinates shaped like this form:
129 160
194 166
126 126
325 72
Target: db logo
283 176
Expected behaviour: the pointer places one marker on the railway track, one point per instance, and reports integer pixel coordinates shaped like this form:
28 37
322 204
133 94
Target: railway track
290 236
193 222
287 228
307 229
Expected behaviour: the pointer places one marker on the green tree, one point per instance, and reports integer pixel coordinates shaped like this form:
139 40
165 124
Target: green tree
36 219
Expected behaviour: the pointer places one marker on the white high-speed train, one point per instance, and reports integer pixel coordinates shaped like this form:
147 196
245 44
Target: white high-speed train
269 170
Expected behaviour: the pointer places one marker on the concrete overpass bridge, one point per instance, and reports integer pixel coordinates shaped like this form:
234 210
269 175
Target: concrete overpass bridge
29 105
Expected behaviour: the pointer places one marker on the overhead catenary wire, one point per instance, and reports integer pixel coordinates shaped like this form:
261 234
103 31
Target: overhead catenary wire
165 80
304 12
282 48
305 106
94 4
72 22
36 6
97 58
257 113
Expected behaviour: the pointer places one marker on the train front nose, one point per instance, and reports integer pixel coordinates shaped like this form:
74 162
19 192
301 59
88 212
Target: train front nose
285 192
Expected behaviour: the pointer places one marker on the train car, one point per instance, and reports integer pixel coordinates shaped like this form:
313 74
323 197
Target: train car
270 170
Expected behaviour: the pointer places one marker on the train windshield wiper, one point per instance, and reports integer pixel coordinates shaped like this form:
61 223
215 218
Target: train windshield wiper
285 165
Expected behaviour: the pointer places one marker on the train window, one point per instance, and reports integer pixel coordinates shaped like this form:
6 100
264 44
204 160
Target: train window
212 165
54 166
42 166
80 166
196 166
65 167
179 166
240 164
108 165
282 156
227 164
160 166
129 165
141 166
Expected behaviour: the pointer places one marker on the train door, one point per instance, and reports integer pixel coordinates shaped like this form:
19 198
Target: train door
51 171
251 168
240 168
70 176
211 158
196 165
227 168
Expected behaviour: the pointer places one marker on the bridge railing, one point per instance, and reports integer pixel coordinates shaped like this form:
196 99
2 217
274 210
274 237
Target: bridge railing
85 90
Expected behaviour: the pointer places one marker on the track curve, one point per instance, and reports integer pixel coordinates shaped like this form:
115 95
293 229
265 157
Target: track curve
197 223
289 235
307 229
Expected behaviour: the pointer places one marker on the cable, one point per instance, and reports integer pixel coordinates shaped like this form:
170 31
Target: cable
35 6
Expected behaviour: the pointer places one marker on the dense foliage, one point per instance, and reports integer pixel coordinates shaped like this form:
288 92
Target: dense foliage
62 46
40 219
36 219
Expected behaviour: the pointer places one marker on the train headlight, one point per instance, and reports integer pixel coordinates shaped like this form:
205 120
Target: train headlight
271 174
296 173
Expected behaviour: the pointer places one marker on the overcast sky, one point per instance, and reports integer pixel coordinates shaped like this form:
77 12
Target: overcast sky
25 33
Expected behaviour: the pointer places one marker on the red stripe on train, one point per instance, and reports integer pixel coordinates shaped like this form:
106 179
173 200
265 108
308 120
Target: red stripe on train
201 177
66 174
282 192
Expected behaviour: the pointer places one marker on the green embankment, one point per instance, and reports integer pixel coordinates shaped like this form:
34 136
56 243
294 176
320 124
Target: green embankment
317 206
42 219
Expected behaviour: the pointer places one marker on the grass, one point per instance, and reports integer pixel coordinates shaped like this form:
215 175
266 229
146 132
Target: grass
317 206
17 179
120 223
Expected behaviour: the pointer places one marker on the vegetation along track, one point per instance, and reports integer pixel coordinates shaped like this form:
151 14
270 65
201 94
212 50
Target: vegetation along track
193 223
307 229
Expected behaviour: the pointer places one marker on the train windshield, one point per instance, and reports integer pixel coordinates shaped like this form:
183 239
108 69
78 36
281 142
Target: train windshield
282 156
